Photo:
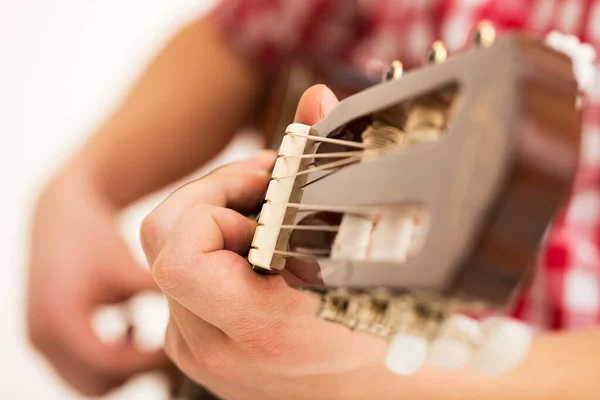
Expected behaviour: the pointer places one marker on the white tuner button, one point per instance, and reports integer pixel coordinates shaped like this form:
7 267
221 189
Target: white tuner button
504 345
582 56
406 354
454 346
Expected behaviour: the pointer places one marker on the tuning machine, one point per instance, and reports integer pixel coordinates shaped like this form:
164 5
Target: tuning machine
422 328
469 192
393 71
484 35
438 53
493 347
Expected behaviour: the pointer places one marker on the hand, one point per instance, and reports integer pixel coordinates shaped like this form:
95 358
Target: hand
78 263
243 335
249 336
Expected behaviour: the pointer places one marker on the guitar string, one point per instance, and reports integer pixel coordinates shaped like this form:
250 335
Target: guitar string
347 158
310 254
385 138
330 165
321 228
352 157
355 210
352 210
325 155
317 179
347 143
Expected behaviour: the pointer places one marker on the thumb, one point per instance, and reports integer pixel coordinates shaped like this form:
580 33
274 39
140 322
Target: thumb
315 104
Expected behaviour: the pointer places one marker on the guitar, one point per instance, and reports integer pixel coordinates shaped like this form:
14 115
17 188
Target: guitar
415 209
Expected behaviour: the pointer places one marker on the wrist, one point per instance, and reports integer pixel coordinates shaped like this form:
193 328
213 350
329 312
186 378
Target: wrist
77 182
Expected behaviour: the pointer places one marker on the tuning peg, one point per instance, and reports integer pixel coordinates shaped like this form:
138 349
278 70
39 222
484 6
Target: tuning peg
394 71
453 347
504 344
438 53
485 34
582 56
406 354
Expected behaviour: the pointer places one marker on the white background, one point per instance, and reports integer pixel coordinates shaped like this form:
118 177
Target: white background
64 64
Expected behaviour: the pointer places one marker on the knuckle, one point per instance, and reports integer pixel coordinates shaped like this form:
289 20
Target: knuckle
150 231
202 212
166 273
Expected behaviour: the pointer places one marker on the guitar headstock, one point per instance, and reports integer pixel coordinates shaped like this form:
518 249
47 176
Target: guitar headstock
427 196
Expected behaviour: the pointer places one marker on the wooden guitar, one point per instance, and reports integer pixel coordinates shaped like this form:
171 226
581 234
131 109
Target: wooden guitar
415 209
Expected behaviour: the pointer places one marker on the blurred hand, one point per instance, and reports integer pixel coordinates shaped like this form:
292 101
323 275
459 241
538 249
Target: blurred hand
244 335
78 263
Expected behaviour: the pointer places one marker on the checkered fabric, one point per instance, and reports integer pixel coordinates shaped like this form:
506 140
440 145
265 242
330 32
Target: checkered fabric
367 34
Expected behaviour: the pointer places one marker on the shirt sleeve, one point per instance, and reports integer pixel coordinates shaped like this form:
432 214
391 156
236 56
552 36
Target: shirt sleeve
273 33
565 290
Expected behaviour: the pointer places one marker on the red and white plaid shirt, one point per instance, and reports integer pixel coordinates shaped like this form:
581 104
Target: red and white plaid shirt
565 293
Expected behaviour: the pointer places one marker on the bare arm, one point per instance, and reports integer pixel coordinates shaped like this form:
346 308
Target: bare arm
245 322
181 113
561 365
185 108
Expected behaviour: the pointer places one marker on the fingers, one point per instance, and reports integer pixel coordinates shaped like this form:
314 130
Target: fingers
199 259
239 186
122 359
198 349
204 229
202 340
200 336
88 364
182 355
315 104
199 268
194 244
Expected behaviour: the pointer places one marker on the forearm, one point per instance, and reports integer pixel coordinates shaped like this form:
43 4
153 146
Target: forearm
561 366
185 108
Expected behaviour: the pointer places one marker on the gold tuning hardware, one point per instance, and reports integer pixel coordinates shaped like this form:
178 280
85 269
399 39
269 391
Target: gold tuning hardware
485 34
385 132
438 53
394 71
382 313
428 117
386 227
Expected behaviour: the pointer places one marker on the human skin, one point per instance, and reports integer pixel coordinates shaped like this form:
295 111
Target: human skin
249 336
183 110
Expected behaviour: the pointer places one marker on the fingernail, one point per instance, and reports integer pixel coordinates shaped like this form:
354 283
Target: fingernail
328 102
